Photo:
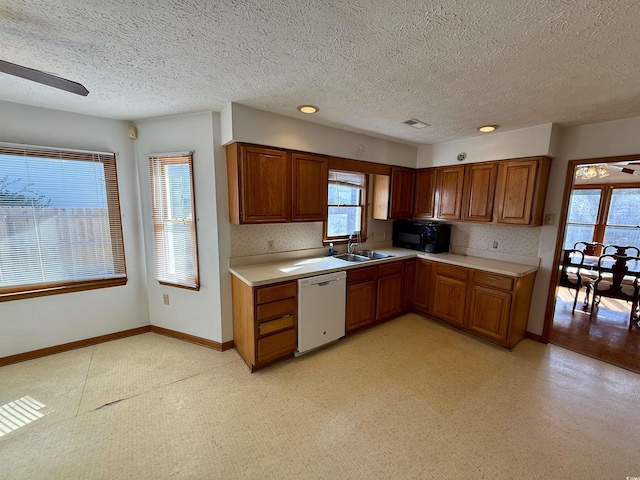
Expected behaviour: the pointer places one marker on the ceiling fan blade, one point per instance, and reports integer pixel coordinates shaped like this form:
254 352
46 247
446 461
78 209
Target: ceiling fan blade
43 78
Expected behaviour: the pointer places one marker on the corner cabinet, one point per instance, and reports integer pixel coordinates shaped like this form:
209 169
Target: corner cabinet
393 196
425 197
270 185
521 191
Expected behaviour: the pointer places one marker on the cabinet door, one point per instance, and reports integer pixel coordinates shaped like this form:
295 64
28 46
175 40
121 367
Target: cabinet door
422 285
449 192
390 298
265 179
361 303
489 312
310 186
402 183
424 204
479 190
409 282
516 191
449 299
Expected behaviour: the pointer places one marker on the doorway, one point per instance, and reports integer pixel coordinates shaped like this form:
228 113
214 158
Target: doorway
601 211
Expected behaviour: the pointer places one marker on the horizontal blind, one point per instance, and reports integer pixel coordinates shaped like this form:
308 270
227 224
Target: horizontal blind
345 188
174 226
59 218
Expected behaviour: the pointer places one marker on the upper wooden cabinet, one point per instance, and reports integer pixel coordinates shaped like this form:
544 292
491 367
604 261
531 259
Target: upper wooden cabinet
310 190
425 196
479 191
270 185
521 191
449 192
393 196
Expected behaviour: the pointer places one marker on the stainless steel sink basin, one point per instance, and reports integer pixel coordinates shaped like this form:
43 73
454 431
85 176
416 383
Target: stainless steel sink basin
372 255
350 257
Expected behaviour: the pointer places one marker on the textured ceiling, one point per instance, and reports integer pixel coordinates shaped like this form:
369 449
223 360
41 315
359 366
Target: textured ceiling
368 64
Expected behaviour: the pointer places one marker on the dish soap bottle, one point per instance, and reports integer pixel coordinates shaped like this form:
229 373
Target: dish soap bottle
332 252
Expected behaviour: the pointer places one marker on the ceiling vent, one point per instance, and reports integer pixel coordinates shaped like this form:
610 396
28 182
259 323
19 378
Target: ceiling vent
412 122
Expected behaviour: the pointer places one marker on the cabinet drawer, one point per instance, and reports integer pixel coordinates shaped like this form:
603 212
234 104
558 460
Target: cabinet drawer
363 274
277 345
493 280
281 323
277 309
275 292
453 271
390 269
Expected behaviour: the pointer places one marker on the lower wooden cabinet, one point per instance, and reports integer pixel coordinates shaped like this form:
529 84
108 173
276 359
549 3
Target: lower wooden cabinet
390 286
362 288
264 321
422 287
449 299
489 311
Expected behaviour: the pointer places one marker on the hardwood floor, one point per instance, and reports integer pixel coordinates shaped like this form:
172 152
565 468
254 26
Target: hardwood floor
606 337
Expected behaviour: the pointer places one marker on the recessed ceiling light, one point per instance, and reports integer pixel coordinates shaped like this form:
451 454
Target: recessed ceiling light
487 128
412 122
308 109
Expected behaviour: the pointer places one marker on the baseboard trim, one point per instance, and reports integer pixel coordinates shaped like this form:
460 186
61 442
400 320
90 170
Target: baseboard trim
534 336
65 347
192 338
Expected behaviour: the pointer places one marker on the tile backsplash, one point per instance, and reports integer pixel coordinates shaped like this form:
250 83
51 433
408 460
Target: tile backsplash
513 240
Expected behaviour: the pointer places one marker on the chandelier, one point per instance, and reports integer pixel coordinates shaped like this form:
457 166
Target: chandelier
592 171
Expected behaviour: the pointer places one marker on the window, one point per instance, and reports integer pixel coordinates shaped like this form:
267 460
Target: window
60 228
174 228
347 205
607 214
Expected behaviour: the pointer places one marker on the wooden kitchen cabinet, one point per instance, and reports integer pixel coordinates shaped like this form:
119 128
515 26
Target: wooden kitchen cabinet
479 191
362 289
521 190
425 193
409 280
450 185
449 292
422 290
270 185
393 196
310 174
390 300
264 321
499 306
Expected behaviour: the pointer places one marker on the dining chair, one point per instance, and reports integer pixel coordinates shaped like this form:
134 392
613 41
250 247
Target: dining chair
589 248
615 280
571 276
621 250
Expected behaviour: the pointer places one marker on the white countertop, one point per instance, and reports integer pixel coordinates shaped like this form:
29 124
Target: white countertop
264 274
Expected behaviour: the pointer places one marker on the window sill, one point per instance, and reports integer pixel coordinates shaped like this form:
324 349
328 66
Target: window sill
341 241
44 290
177 285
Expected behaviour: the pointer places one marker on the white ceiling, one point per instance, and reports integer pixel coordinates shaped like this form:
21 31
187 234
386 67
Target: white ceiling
368 64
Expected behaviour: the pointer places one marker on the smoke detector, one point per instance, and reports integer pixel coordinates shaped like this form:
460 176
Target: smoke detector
412 122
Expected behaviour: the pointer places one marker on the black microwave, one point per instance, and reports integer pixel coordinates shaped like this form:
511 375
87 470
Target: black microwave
425 236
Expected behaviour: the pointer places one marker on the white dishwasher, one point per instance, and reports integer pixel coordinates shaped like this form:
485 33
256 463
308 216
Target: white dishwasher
321 310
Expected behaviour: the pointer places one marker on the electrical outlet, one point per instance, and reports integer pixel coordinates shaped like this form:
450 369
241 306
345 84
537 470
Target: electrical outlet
165 298
549 219
270 245
495 244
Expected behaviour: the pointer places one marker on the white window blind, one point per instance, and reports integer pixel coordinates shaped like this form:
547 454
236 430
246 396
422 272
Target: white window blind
60 226
347 202
174 226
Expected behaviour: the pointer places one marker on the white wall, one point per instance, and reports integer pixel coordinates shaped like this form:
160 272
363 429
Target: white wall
265 128
193 312
525 142
35 323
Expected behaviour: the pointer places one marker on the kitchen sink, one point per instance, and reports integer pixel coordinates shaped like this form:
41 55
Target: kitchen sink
350 257
371 255
362 256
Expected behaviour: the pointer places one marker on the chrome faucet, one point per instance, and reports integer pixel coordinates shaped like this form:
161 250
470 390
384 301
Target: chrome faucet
351 244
